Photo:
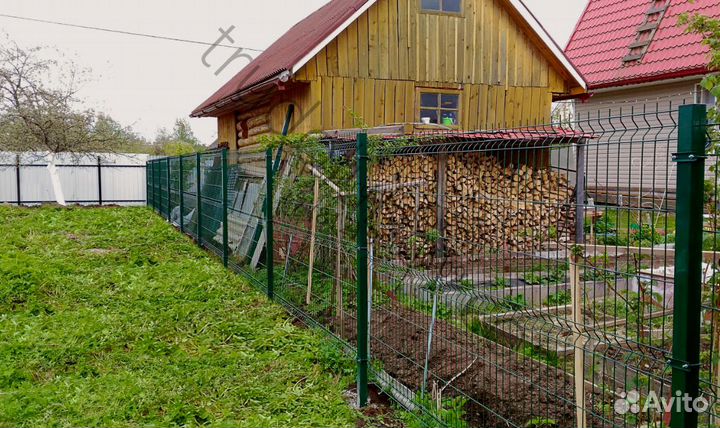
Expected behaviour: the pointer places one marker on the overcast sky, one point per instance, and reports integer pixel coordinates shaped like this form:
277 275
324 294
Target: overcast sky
147 83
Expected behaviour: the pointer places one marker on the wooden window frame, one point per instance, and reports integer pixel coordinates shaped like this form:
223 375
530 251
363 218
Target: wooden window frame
441 91
443 12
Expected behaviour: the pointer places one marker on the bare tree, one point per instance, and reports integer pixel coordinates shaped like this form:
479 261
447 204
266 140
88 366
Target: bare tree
38 109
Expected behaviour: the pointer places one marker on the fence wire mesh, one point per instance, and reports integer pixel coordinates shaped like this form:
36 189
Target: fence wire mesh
519 277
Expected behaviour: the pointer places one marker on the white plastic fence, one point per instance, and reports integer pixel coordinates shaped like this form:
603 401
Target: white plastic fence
88 179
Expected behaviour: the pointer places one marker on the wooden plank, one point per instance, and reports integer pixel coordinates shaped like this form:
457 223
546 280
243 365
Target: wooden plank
510 107
441 51
393 48
491 107
363 45
332 58
500 120
403 27
504 24
327 102
313 229
347 109
414 41
400 96
379 105
471 56
483 108
322 63
369 103
338 102
389 102
353 66
343 54
358 104
410 95
383 38
373 47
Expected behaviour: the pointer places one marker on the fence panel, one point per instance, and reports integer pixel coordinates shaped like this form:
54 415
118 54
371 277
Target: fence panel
503 288
85 179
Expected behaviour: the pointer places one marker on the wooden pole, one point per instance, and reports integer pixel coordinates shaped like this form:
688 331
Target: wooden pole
340 313
579 343
313 229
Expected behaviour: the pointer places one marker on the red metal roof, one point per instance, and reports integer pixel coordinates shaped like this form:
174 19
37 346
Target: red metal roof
288 50
608 27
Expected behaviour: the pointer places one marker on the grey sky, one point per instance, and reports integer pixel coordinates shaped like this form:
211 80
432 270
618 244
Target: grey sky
148 83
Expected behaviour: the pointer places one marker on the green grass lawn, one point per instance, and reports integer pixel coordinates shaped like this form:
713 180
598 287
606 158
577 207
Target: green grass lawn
109 317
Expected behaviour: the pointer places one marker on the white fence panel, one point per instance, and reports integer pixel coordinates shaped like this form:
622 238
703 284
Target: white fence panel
85 179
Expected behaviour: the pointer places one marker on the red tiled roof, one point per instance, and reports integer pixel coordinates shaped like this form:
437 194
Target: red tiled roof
608 27
288 50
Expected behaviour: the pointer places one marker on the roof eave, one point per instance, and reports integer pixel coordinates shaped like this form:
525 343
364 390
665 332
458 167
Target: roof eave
215 109
658 78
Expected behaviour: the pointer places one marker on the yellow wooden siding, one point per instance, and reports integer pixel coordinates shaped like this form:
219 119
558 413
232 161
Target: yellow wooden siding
482 51
393 40
348 103
227 130
369 75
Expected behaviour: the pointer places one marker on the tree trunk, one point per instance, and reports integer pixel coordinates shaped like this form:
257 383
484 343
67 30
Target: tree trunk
55 179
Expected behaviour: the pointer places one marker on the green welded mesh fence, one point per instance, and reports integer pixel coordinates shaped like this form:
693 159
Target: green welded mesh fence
549 276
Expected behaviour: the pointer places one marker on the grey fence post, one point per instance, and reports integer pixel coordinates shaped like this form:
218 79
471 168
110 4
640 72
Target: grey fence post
99 179
17 179
580 193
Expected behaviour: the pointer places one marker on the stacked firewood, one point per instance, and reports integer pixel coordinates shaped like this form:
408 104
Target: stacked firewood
403 193
489 205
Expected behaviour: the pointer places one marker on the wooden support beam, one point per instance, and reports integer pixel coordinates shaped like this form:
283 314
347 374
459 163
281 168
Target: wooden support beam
579 340
313 229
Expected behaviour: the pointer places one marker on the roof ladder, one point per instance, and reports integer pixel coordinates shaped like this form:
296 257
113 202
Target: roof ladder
646 31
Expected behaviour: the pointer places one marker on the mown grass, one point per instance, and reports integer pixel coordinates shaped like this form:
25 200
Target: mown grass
109 317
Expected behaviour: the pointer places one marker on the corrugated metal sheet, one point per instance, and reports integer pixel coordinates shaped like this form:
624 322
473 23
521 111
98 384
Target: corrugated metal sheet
608 27
300 40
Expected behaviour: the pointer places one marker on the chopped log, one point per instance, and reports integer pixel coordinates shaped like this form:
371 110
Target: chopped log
489 204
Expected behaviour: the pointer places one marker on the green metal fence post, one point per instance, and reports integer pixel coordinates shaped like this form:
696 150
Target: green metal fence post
362 271
156 187
167 177
269 232
148 191
199 198
685 360
182 194
225 206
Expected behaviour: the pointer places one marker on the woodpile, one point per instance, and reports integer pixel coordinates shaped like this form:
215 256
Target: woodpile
404 196
488 205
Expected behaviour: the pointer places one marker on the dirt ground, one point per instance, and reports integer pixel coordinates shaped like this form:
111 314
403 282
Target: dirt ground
506 388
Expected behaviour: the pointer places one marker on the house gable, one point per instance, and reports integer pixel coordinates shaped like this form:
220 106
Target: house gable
371 71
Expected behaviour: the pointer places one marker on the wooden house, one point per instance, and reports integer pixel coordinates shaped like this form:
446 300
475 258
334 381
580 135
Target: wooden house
465 64
636 59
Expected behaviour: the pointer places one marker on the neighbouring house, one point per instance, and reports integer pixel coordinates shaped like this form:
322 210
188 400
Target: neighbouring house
462 64
636 59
